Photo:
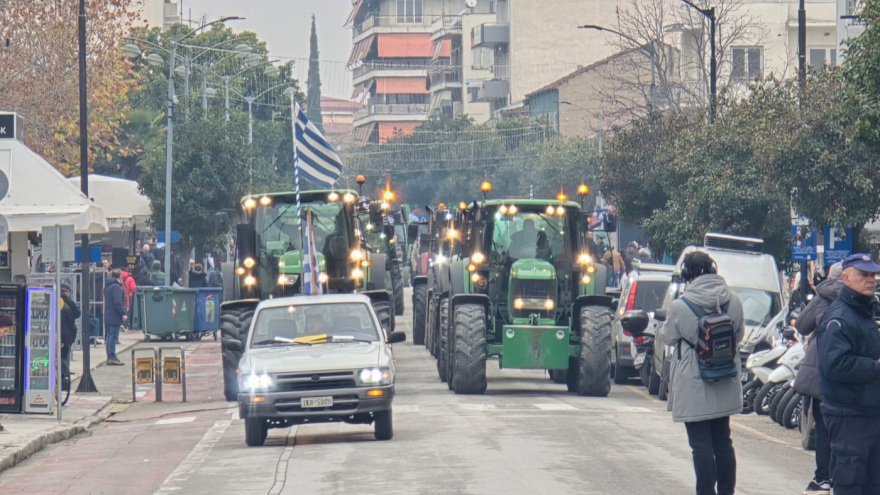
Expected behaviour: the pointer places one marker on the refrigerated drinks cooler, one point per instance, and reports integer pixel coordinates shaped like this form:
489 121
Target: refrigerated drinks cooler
39 351
12 302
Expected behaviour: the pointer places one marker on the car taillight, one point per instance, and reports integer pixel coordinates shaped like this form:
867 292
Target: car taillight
639 340
631 298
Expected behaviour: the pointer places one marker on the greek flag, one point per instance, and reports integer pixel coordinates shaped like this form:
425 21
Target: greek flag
311 285
314 157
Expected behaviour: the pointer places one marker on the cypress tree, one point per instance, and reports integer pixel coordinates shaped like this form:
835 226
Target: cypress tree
313 97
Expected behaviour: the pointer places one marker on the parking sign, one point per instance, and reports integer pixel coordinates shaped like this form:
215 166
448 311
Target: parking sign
803 243
838 244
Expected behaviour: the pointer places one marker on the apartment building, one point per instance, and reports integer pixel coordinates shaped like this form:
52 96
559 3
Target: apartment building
392 51
155 13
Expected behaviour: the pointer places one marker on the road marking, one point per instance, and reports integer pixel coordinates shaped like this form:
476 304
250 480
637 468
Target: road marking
195 458
644 394
174 421
736 425
281 466
555 407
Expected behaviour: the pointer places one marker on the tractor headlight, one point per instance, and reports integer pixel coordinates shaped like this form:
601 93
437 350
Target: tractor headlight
240 271
518 303
323 278
475 277
586 279
250 280
440 259
257 382
357 273
584 259
287 279
549 304
249 262
478 257
357 254
375 376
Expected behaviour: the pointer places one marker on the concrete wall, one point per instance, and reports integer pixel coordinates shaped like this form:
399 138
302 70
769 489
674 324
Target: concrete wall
479 111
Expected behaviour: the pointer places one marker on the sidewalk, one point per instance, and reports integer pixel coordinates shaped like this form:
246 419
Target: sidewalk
27 434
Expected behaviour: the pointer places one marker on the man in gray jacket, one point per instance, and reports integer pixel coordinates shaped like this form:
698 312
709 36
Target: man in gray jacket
704 407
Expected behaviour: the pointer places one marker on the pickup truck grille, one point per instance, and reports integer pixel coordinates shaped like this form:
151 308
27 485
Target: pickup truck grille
290 382
340 403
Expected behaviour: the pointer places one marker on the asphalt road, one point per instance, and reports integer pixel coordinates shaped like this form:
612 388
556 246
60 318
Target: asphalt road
525 435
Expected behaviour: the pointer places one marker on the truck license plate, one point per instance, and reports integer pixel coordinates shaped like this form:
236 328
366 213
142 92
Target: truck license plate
316 402
640 359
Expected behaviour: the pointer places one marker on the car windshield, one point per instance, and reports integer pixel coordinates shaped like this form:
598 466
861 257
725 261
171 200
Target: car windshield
759 306
649 295
314 324
528 234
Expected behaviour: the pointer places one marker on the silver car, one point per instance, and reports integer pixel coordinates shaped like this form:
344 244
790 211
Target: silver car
316 359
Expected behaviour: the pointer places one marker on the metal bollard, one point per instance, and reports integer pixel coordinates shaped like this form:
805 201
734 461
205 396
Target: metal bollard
153 368
181 371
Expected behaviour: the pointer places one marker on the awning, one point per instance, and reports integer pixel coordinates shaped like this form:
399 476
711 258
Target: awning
442 49
362 134
401 86
39 196
388 130
359 51
405 46
354 12
122 203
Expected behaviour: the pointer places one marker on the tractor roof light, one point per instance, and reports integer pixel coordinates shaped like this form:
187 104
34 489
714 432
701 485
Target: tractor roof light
561 196
512 210
388 195
265 201
551 210
249 262
583 189
357 273
333 196
485 187
360 179
462 205
560 211
250 203
502 209
441 206
591 269
348 197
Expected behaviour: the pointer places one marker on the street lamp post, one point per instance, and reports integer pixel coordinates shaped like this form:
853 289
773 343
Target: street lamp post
650 49
713 62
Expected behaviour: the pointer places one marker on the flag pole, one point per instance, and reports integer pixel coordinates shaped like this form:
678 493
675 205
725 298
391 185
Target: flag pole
294 122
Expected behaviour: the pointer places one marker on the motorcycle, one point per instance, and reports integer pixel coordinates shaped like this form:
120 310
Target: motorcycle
782 375
643 358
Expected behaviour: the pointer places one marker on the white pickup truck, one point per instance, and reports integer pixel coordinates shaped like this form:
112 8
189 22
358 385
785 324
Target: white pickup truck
316 359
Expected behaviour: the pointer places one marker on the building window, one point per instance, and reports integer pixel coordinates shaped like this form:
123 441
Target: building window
820 56
409 11
483 58
746 62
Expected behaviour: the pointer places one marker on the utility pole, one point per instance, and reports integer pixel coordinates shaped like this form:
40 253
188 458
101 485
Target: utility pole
802 82
86 384
709 14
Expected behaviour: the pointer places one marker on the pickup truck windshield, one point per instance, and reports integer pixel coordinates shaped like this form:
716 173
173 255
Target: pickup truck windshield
314 324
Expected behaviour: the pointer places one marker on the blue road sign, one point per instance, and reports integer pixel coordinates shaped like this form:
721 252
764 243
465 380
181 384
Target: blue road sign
803 243
160 236
838 244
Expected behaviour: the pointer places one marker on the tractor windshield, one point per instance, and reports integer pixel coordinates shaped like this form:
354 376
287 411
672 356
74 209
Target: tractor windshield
278 230
539 233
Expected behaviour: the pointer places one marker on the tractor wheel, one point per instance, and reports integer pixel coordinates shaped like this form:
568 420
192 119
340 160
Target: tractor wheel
469 325
383 426
431 342
594 366
571 375
397 287
420 301
558 376
383 312
255 431
234 325
442 352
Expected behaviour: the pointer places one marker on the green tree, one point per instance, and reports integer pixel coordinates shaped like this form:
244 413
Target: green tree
313 97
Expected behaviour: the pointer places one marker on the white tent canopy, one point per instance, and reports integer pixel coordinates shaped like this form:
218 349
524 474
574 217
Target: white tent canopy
123 205
39 196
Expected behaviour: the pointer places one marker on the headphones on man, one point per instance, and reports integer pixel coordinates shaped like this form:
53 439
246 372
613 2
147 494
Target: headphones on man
687 275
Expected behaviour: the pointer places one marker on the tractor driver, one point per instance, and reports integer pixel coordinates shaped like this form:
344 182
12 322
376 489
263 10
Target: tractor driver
523 243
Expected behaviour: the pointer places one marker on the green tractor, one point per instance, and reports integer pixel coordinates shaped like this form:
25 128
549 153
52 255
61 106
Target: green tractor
525 290
377 225
269 261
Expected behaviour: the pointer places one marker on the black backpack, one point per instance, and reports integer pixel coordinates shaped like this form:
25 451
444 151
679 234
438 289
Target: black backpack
716 342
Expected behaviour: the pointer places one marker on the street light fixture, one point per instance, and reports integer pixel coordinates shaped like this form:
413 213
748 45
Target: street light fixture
651 51
713 62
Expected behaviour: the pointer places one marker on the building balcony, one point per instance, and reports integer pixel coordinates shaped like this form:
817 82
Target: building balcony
495 89
442 78
377 24
447 26
490 35
391 112
401 68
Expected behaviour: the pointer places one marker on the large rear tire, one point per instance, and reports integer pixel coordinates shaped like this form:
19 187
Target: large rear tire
443 351
397 287
420 303
234 324
383 425
255 431
594 366
383 312
469 363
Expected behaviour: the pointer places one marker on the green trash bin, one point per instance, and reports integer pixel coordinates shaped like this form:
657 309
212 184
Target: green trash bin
163 312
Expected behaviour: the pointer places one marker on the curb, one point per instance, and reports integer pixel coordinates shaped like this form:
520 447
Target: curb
56 435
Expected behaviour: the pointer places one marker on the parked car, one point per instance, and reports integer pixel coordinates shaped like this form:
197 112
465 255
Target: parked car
313 360
642 290
749 273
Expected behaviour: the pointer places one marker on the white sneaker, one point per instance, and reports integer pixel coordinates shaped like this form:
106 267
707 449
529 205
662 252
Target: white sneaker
818 488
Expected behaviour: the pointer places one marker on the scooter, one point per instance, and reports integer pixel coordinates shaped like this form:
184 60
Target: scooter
760 365
643 359
782 375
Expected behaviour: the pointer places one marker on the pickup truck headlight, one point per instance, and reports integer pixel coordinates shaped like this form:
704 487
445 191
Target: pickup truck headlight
255 383
375 376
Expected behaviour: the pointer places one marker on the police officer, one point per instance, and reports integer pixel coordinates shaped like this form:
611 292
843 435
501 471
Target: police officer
849 379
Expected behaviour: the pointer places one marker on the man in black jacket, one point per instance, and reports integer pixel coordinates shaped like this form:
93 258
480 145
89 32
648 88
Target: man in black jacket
69 313
849 379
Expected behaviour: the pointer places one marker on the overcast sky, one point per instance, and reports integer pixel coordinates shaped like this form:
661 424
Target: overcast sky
284 25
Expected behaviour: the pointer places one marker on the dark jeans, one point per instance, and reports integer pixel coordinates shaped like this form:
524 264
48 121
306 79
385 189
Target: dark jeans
855 454
65 359
111 339
714 457
823 444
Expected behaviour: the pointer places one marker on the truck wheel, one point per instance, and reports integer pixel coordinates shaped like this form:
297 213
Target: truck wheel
384 429
594 367
383 312
663 393
234 325
397 287
420 300
442 353
470 349
255 431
